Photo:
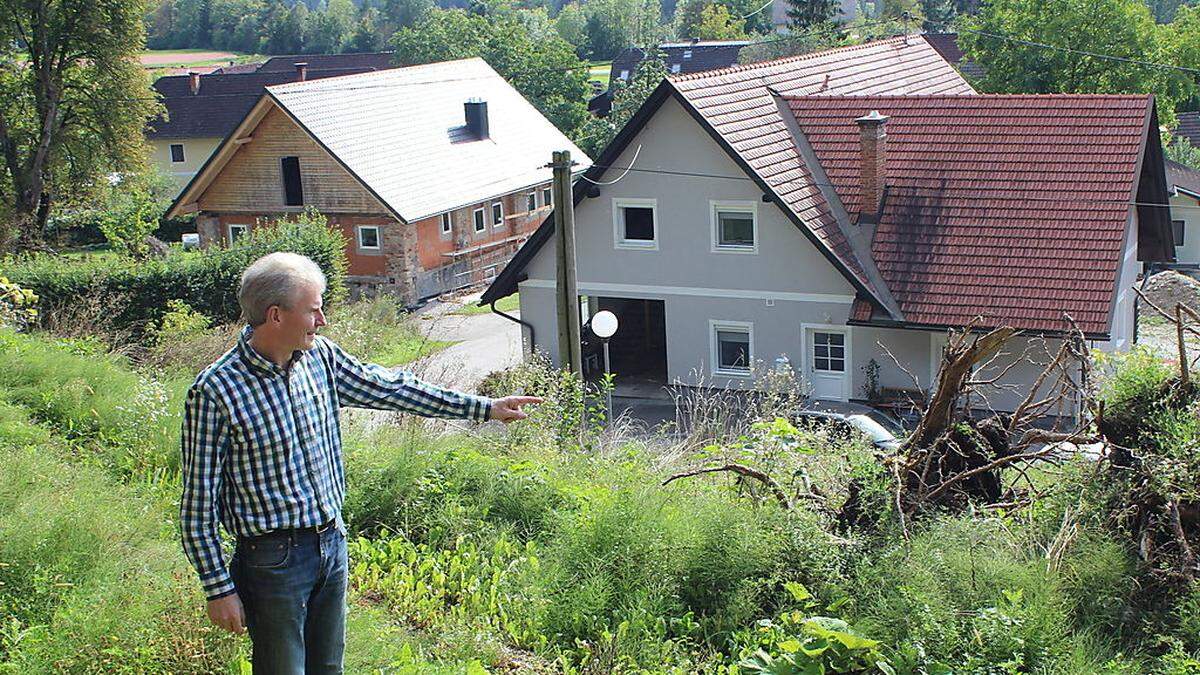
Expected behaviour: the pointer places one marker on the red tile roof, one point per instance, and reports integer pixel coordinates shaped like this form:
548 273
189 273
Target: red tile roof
738 105
1009 207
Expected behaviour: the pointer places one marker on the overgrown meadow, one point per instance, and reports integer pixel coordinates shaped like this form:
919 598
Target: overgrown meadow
553 546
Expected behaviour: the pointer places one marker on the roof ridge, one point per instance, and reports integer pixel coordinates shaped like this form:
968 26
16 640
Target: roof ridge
983 97
390 72
741 67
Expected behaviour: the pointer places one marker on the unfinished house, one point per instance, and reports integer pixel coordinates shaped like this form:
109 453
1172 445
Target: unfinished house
436 173
843 208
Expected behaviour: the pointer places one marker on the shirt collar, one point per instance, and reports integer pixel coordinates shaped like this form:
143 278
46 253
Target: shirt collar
256 361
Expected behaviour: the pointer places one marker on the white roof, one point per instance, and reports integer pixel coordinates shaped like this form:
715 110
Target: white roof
401 132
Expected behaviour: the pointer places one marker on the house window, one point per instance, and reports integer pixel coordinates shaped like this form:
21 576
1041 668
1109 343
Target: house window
531 201
634 223
732 348
674 67
368 237
445 223
497 214
237 232
687 53
829 352
1177 230
624 75
177 152
480 223
735 227
293 191
547 197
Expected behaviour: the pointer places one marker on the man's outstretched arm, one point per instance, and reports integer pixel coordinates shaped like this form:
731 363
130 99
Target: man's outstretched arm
373 386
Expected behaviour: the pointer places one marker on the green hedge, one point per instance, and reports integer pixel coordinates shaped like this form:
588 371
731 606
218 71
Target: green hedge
206 280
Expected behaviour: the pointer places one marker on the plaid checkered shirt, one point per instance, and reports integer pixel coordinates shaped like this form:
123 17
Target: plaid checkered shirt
262 446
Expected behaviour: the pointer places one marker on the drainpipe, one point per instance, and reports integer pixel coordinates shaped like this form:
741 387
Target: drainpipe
510 317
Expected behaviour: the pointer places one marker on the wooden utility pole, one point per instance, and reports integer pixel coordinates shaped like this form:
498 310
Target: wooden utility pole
567 289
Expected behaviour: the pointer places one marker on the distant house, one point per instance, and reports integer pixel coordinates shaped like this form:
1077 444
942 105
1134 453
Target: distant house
679 58
1189 127
1184 184
201 110
946 44
435 173
817 207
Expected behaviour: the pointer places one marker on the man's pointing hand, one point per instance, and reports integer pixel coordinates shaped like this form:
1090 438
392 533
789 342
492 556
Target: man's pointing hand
508 409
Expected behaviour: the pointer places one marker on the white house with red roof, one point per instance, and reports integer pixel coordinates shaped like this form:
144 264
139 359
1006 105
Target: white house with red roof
823 207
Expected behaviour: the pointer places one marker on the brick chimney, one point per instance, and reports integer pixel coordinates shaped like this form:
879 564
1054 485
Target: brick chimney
301 71
194 83
872 141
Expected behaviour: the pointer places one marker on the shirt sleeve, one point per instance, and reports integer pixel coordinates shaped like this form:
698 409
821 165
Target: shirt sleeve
205 446
373 386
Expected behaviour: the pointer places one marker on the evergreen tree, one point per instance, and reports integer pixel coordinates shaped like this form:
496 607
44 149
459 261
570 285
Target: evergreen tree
806 14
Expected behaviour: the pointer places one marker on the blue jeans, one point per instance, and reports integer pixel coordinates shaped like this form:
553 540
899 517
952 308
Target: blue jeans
293 588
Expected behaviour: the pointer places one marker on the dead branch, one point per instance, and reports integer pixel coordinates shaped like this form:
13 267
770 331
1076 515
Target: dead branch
1018 414
916 382
957 364
1188 564
741 470
1165 314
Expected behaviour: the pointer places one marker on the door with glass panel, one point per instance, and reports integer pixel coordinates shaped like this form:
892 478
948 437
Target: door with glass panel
827 362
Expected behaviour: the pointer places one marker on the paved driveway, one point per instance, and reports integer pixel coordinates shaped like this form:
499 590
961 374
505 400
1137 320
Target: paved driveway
484 343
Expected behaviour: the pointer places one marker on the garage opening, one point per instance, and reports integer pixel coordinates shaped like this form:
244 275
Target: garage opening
638 350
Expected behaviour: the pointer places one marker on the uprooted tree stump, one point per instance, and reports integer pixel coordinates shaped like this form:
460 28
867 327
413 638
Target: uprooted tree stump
954 458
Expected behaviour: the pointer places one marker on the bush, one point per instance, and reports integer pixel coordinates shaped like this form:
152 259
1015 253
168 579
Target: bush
206 280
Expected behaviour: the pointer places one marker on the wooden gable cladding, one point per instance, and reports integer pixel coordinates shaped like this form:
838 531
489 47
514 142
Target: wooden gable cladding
252 180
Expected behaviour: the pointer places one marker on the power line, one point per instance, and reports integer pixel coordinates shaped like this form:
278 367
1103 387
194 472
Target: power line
905 188
1082 52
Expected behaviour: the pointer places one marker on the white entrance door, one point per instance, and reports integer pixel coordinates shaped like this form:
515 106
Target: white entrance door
827 362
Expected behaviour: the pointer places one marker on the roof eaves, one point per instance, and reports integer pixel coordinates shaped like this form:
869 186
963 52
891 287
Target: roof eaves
201 176
907 325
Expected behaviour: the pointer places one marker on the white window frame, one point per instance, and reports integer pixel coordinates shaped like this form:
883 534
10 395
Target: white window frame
478 217
182 153
531 201
619 240
714 347
446 223
687 53
714 207
497 222
378 237
244 227
675 68
547 197
624 75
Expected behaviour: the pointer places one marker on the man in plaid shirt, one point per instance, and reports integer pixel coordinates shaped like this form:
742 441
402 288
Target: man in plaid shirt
262 457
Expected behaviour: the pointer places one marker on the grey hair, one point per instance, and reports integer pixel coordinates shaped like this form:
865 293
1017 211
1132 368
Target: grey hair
275 279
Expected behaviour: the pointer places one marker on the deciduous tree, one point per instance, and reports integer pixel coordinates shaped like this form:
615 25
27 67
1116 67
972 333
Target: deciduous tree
539 64
74 102
1119 28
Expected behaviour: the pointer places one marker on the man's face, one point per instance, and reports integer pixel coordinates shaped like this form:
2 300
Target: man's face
298 324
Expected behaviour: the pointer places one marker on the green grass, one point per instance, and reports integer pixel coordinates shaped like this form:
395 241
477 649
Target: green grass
185 58
529 549
511 303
